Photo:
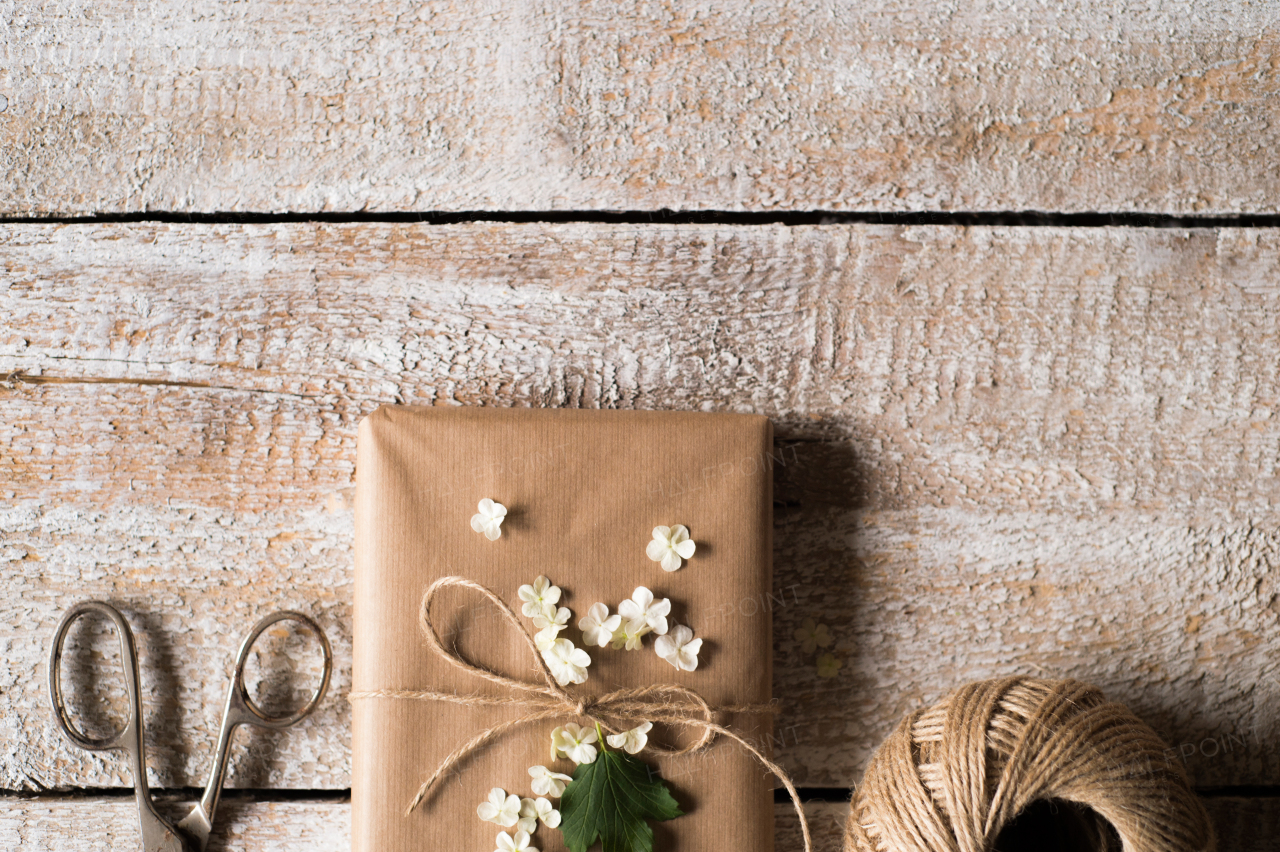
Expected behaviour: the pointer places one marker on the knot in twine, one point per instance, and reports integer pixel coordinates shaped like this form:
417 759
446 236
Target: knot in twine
670 703
950 778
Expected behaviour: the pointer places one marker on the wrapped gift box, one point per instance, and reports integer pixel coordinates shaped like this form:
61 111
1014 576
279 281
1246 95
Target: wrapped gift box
584 490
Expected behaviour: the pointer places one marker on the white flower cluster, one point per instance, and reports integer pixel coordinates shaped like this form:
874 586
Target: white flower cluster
567 662
635 618
524 813
579 744
640 615
571 741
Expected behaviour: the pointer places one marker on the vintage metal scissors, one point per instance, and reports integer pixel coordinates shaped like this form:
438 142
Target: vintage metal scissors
192 833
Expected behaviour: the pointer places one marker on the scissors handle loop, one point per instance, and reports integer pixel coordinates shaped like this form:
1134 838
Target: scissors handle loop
241 710
129 736
244 707
158 834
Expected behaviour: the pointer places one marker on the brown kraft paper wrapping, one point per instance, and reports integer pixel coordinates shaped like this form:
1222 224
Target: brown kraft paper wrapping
584 490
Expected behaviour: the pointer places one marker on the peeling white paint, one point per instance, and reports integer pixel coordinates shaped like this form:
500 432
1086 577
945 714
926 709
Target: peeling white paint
760 106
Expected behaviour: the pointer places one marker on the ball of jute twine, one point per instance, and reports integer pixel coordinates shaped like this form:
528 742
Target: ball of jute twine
952 777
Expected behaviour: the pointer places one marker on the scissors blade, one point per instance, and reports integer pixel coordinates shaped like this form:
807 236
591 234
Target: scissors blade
197 826
159 836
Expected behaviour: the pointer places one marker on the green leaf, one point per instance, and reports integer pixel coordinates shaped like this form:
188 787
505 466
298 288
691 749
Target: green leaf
610 800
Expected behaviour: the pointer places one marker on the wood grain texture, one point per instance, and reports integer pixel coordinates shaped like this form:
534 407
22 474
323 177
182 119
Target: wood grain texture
886 105
1243 825
1001 450
99 823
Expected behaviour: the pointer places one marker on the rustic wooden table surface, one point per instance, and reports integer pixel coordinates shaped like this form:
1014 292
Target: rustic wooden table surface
1006 278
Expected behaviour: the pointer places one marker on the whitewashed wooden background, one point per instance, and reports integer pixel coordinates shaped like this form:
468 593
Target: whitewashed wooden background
1048 448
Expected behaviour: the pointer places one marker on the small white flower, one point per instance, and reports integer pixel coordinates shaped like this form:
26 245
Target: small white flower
574 742
528 816
545 638
532 810
828 665
630 635
567 663
501 808
548 783
538 597
489 519
552 617
598 626
519 843
669 545
642 612
679 648
812 636
633 740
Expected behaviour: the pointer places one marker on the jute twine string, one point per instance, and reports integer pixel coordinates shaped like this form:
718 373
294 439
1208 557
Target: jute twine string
670 704
950 778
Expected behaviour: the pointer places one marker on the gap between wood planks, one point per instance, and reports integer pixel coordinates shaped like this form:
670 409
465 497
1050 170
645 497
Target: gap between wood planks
1008 218
184 794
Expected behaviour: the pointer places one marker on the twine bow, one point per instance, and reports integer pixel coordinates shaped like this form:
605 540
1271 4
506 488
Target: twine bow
670 703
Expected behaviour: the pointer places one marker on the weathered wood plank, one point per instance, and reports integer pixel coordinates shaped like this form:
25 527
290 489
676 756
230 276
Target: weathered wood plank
1046 451
1133 365
883 105
95 823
